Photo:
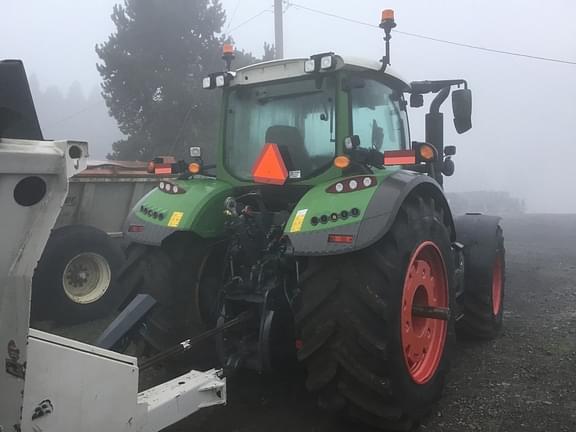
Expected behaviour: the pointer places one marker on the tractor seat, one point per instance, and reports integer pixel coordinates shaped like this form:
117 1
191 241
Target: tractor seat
291 145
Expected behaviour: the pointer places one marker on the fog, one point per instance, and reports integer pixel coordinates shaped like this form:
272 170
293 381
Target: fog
524 109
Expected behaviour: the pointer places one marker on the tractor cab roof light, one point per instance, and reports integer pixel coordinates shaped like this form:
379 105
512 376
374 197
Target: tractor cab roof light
327 62
220 81
310 66
320 63
208 83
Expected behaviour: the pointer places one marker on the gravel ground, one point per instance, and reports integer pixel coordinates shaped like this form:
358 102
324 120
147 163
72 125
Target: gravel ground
523 381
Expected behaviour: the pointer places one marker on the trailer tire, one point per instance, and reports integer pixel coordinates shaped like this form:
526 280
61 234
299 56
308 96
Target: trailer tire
356 328
483 296
75 277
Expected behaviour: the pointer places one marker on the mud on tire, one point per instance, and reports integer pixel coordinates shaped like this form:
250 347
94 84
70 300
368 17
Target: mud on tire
349 322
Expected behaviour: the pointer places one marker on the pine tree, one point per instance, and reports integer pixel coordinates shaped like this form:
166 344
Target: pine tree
152 69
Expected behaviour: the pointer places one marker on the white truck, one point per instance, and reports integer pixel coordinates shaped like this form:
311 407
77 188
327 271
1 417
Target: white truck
49 383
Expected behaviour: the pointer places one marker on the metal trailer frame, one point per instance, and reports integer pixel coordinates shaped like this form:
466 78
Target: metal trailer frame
50 383
104 193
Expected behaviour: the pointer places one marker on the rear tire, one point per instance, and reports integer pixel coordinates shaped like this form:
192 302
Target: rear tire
353 327
483 297
174 275
75 280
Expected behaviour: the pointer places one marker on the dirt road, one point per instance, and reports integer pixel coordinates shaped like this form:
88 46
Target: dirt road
523 381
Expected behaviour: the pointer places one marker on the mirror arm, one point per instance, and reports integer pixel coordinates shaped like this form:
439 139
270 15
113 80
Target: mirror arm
439 100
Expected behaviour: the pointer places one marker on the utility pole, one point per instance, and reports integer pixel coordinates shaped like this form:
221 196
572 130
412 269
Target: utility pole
278 29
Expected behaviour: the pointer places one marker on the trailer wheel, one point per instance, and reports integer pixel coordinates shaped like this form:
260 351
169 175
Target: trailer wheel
75 277
483 297
370 351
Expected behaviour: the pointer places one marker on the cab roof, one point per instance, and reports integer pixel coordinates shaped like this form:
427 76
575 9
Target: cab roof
293 68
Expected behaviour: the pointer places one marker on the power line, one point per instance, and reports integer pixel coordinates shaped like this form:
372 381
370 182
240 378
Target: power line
249 20
77 113
231 20
449 42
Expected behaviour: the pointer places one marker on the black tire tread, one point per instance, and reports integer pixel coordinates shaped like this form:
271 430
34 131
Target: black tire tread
339 315
169 274
49 301
478 320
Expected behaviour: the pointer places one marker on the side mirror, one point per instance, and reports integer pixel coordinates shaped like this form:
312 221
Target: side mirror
462 108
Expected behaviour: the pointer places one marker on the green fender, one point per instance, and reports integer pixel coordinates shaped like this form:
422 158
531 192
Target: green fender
377 210
198 209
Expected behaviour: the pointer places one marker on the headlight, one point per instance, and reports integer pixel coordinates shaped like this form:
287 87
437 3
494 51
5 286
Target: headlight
310 66
327 62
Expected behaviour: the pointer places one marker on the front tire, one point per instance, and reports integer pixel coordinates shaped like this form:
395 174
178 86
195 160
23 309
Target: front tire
484 283
366 352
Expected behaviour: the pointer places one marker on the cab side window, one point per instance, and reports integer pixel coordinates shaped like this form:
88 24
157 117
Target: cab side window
377 117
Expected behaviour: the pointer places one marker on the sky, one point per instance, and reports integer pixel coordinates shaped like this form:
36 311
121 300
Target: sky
524 109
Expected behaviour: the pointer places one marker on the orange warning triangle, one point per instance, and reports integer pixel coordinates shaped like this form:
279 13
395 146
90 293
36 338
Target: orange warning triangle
270 167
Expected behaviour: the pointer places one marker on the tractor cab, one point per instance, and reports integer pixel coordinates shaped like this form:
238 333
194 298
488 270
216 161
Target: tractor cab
310 120
288 121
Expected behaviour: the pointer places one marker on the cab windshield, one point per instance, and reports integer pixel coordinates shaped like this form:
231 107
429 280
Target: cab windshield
297 116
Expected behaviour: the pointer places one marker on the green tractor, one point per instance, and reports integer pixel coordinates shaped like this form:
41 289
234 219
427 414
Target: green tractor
324 235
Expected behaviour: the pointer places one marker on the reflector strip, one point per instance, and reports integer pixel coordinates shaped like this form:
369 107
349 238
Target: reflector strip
270 167
135 228
163 169
400 157
340 238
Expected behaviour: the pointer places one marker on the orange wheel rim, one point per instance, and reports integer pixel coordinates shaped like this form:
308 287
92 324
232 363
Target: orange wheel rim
424 338
497 286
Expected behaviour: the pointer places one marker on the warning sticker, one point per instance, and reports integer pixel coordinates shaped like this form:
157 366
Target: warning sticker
298 220
295 174
175 219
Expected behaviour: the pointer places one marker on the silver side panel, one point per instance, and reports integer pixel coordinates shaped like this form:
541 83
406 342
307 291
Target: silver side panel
23 233
72 387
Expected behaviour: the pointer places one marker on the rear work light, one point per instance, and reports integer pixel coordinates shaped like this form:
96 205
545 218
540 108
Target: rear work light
310 66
